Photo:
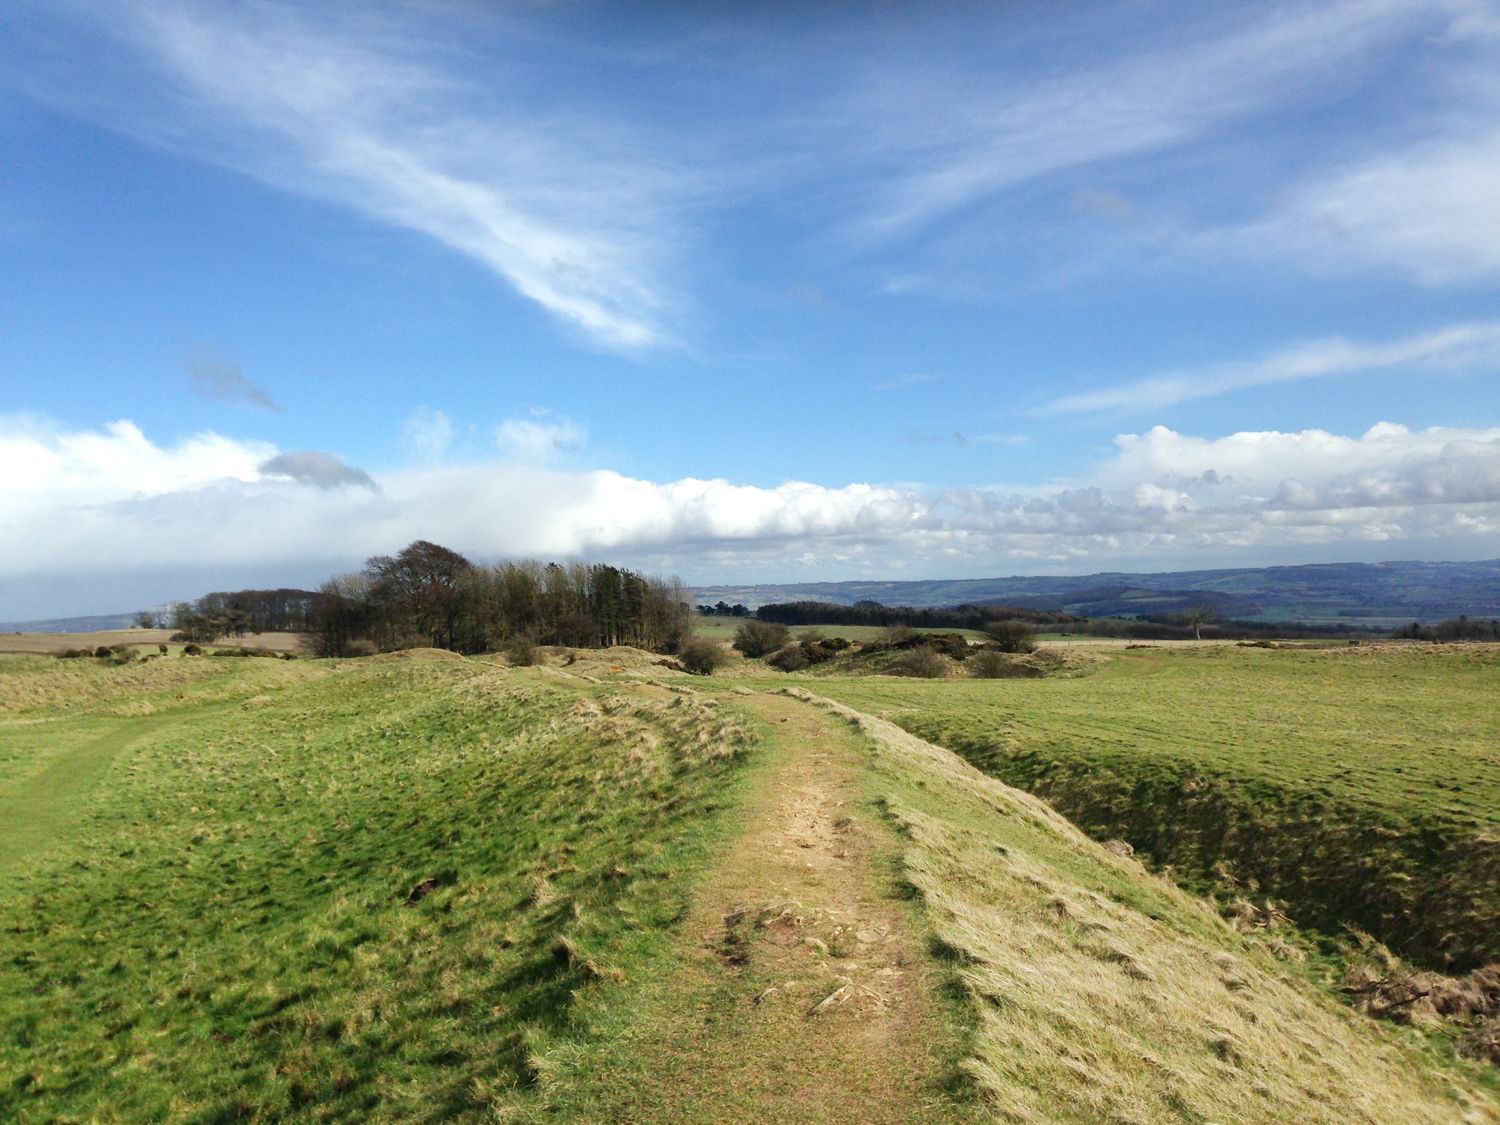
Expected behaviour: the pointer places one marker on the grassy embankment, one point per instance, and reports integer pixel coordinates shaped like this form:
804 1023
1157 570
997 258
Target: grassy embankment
1359 785
1102 993
254 888
426 887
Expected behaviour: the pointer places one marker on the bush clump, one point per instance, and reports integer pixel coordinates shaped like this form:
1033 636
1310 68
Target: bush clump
759 638
923 662
522 651
792 658
700 656
991 664
1012 636
812 648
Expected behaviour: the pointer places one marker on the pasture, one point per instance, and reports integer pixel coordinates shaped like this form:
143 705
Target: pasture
426 886
1357 784
50 644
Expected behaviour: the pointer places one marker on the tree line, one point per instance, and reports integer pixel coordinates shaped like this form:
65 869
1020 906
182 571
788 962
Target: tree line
430 596
235 613
1461 628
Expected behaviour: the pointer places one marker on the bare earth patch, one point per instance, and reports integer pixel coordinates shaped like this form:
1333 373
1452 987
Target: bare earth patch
807 996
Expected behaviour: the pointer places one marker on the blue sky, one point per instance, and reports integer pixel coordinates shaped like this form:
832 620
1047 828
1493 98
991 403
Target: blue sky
743 292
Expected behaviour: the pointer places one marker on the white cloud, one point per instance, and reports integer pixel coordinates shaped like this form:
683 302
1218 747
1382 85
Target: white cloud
1430 209
540 439
428 432
102 503
346 107
1458 347
951 142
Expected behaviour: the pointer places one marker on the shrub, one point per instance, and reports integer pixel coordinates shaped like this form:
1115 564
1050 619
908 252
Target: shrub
522 651
361 646
192 650
991 664
820 648
792 658
922 662
893 636
1012 636
757 638
700 656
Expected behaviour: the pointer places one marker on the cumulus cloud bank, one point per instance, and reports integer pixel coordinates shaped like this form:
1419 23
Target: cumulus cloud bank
90 503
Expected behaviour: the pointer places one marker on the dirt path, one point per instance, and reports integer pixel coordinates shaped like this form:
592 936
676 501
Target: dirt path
808 997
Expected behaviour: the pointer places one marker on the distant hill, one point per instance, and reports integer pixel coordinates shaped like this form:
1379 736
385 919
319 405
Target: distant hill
103 623
1379 594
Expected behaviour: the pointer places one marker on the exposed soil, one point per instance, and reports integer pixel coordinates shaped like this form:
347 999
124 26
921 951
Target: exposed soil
811 999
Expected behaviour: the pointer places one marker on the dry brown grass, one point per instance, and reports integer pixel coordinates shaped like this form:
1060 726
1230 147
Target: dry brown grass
1103 993
50 644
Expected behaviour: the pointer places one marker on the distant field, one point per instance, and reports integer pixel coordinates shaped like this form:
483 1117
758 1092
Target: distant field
53 643
1359 784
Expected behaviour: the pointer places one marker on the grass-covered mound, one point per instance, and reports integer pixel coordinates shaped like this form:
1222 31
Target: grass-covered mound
339 891
1358 785
1102 993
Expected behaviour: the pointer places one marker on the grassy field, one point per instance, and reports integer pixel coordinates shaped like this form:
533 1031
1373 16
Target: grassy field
420 886
1102 993
297 889
1358 784
49 644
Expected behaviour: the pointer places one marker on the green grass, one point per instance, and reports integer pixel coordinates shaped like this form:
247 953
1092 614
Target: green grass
427 887
1102 993
1359 784
234 923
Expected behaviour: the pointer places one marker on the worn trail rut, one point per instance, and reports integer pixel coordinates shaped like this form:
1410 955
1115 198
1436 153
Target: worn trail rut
807 997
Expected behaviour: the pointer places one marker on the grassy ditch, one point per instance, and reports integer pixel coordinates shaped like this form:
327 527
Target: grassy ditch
376 890
1104 993
1358 786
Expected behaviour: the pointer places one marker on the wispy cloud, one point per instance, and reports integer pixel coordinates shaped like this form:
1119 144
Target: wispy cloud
428 432
219 378
943 158
540 439
904 382
1461 347
1429 209
365 114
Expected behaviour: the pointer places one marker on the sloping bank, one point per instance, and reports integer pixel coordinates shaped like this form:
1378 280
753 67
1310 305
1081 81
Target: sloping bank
1359 788
1102 992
